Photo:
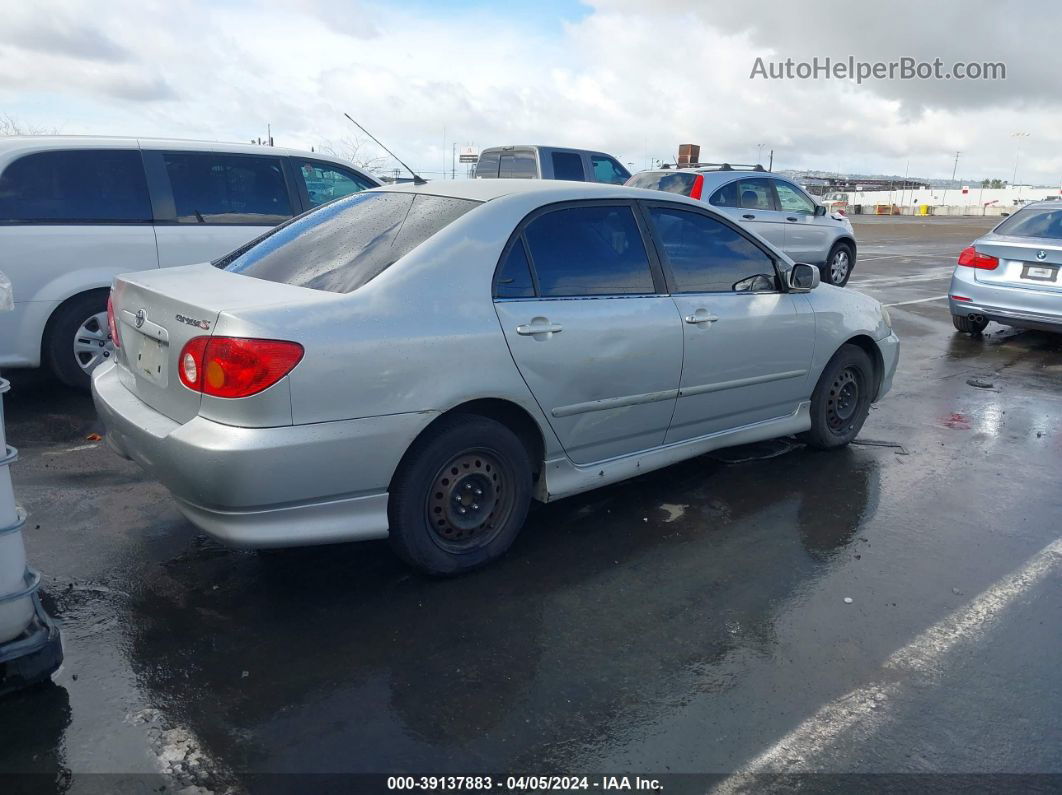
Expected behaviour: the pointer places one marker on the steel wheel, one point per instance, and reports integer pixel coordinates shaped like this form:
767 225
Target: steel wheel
92 342
470 499
839 266
843 400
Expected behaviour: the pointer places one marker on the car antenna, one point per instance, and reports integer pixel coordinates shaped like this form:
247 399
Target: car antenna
417 178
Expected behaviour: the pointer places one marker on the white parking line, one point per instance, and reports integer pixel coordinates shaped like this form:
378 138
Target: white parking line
919 300
861 711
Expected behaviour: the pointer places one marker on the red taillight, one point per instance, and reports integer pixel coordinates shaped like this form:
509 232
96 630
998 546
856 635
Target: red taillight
959 298
971 258
234 367
112 326
698 186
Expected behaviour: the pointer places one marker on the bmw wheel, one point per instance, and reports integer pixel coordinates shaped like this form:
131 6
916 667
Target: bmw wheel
460 495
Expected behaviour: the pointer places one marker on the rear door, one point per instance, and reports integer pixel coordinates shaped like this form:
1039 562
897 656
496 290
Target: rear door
1029 248
807 236
210 203
581 305
748 344
751 202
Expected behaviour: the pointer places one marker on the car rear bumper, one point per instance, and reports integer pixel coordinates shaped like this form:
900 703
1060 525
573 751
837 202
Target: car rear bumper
283 486
1011 306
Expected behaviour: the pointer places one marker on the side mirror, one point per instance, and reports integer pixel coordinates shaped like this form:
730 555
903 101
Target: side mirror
820 209
803 278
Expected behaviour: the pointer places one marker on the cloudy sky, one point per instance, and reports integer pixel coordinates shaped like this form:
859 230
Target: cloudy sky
631 77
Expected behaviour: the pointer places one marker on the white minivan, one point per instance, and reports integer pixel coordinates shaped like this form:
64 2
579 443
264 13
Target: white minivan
76 211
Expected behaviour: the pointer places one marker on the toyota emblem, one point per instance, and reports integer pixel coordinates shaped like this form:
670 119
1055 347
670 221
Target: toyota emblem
1041 254
140 318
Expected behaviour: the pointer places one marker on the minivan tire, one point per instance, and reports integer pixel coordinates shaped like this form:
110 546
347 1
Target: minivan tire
838 249
62 329
841 400
460 495
967 325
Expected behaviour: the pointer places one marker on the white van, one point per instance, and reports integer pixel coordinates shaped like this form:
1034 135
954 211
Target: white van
76 211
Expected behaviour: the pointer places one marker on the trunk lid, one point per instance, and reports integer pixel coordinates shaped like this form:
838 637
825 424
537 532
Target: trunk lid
1029 262
157 312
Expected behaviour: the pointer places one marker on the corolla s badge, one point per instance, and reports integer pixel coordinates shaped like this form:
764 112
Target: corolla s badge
191 321
1041 255
140 318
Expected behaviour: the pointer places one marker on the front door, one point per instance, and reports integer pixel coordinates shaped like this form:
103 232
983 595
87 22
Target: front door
807 236
748 344
598 345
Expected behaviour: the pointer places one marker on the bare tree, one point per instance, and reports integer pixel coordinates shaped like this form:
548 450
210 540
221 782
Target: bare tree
9 125
359 151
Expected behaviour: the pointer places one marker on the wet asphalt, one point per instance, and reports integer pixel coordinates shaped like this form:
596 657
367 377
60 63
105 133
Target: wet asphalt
894 607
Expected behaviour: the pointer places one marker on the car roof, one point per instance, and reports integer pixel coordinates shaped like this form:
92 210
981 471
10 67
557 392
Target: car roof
506 147
42 142
552 190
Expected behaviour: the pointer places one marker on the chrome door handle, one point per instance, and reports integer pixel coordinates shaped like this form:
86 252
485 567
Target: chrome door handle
701 316
532 328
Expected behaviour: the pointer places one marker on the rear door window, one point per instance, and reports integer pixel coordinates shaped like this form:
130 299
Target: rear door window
79 186
217 188
678 182
585 251
347 243
1033 222
708 256
569 166
487 165
513 279
607 170
327 181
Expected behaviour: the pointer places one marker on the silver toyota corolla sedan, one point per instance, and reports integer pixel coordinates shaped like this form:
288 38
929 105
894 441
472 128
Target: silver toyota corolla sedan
1011 275
420 362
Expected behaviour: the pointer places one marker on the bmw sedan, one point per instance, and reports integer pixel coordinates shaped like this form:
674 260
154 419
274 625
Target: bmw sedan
420 362
1011 275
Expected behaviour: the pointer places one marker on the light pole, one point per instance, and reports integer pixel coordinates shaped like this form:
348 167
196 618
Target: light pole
1017 154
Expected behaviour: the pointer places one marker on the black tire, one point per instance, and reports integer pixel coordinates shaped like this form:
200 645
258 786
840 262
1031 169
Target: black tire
965 324
841 400
827 270
64 326
445 523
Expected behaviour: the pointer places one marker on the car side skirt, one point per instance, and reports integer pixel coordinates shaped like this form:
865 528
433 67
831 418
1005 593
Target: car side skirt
562 478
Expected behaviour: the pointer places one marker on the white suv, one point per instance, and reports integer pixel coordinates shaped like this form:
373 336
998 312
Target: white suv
76 211
771 206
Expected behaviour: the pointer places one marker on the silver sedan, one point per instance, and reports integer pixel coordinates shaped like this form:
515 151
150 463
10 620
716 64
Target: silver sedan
1011 275
420 362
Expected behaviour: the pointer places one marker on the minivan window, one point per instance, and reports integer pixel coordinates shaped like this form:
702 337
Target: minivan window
215 188
345 244
579 251
707 256
568 165
608 170
325 181
1033 222
78 186
487 165
680 182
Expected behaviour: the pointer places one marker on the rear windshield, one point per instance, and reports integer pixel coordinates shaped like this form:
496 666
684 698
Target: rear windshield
680 183
345 244
1038 222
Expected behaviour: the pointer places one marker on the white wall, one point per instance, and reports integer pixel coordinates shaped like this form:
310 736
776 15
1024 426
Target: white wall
974 200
